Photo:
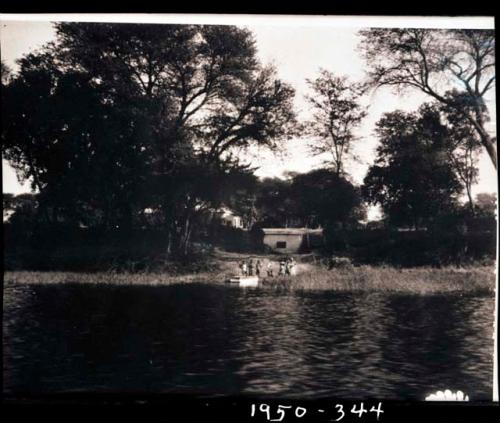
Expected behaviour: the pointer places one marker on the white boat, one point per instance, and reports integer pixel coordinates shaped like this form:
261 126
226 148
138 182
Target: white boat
244 280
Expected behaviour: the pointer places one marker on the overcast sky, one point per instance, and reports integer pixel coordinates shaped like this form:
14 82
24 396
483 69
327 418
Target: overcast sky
298 49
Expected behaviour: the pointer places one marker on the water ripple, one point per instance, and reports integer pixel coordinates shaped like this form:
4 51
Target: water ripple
209 339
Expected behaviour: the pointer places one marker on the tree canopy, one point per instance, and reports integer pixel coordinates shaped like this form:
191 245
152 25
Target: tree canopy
115 124
441 64
317 198
162 112
412 178
336 113
486 204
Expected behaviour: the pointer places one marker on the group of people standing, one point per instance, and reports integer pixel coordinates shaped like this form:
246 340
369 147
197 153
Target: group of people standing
286 267
248 267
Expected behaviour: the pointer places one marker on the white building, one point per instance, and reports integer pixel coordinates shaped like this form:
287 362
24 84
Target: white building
229 218
292 240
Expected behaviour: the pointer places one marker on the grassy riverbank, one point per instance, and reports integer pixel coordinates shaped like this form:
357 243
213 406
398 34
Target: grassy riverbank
479 280
422 280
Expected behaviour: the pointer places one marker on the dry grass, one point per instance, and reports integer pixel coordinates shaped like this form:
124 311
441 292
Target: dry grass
389 279
102 278
478 280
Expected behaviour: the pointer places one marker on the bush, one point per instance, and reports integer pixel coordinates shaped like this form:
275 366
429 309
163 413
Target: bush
339 262
435 247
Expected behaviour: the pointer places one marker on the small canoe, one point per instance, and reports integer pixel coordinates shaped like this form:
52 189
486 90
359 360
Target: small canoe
245 280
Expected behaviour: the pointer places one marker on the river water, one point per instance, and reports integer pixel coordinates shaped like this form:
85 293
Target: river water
220 340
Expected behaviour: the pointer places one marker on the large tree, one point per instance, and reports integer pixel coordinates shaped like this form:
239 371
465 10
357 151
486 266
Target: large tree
181 101
276 206
412 178
462 146
206 79
336 114
317 198
73 152
325 198
486 204
437 62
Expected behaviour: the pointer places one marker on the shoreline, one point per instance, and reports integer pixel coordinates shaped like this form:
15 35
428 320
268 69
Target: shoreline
426 280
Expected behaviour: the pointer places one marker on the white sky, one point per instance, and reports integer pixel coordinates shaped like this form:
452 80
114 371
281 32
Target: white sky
298 47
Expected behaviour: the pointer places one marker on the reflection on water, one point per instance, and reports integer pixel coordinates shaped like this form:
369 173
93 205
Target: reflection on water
220 340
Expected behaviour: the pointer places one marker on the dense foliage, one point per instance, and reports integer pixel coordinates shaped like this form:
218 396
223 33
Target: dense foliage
132 138
112 119
412 178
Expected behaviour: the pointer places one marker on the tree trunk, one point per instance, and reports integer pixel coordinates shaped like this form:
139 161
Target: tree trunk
471 202
170 229
487 141
185 234
490 146
169 241
183 244
186 241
